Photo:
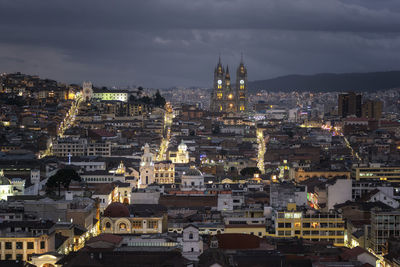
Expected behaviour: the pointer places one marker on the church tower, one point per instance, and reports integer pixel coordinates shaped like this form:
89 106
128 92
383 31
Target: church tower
146 170
230 105
217 98
241 88
224 98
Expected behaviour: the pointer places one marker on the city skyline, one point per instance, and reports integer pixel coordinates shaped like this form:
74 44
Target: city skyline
176 43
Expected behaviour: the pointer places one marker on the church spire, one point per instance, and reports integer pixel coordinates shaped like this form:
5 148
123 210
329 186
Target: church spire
219 69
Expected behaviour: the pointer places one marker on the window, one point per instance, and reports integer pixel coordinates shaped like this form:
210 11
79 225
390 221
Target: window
8 245
19 245
108 225
8 256
42 245
122 226
136 224
191 235
19 257
152 224
30 245
29 257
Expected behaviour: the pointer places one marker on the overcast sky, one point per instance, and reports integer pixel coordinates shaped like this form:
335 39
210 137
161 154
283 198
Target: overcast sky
163 43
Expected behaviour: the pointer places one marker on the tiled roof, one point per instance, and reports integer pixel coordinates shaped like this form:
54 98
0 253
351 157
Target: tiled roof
238 241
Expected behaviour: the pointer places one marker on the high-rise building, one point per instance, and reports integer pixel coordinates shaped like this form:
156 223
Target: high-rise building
372 109
349 105
225 98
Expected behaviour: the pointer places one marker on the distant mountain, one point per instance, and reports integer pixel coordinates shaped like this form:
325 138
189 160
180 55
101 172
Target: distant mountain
327 82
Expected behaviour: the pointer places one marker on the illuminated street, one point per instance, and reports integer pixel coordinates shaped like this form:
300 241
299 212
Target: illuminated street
162 152
68 122
261 150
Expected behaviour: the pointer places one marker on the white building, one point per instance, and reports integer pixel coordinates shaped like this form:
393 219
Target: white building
192 180
10 188
192 244
180 156
339 192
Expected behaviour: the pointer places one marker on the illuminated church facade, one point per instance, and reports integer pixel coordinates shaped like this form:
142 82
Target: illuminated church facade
224 97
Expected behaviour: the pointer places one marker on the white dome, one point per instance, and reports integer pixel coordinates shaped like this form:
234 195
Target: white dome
182 146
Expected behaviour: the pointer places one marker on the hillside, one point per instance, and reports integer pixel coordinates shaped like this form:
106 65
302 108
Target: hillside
326 82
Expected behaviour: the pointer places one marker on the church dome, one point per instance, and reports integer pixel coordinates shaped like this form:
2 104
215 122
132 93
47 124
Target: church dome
182 146
116 210
193 172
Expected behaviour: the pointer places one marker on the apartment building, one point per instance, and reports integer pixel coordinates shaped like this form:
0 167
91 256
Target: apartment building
318 226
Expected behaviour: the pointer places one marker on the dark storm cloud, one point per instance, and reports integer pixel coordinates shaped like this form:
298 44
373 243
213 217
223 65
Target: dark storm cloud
176 42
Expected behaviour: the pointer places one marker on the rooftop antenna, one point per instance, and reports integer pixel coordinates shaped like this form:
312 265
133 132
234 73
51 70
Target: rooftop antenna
241 57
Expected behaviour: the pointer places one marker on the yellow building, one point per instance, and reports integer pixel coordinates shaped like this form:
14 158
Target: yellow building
250 229
22 247
302 175
164 172
390 174
315 227
118 219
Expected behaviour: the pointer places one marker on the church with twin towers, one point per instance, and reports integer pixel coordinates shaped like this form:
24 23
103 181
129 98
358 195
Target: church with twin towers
224 97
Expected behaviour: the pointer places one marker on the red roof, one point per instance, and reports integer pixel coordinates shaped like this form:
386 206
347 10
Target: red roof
238 241
353 253
116 210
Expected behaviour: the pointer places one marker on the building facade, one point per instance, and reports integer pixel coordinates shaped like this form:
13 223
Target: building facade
315 227
349 104
224 97
389 174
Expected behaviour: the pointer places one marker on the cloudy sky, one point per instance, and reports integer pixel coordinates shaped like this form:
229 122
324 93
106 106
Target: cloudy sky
163 43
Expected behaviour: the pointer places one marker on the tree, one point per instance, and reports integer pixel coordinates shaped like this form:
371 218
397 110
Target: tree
132 98
249 171
63 178
159 101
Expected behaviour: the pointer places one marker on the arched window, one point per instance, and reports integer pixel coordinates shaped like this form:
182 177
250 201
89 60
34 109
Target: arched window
108 225
190 235
122 226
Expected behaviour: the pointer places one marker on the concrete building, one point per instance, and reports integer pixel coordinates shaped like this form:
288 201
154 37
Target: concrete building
312 226
384 225
390 174
349 104
192 180
283 193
